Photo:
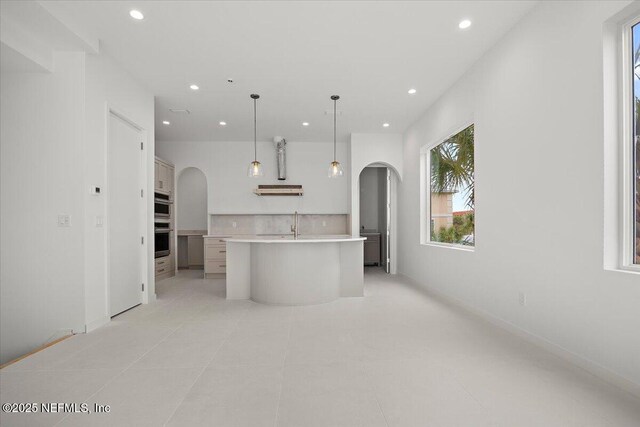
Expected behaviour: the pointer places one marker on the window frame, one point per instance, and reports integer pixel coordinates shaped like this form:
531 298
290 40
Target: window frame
627 166
425 189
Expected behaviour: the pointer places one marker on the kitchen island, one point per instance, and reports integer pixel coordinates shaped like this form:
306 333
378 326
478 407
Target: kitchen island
287 271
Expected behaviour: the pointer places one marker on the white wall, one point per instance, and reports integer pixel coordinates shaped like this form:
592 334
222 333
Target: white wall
53 279
109 86
537 102
231 190
192 200
42 265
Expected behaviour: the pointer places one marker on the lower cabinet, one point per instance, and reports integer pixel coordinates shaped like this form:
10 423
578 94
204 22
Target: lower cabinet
371 248
215 256
165 267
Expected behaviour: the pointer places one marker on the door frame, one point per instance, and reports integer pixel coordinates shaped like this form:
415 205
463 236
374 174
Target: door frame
387 231
143 205
176 204
392 218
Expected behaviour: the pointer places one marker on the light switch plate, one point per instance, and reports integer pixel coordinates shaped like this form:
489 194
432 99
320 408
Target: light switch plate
64 221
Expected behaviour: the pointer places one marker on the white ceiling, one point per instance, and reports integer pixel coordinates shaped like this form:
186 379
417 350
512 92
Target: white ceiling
295 55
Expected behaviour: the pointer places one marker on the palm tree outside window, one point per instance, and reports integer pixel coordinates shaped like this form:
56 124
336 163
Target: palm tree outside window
452 185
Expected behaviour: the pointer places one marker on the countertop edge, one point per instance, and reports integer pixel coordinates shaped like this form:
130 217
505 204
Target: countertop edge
332 240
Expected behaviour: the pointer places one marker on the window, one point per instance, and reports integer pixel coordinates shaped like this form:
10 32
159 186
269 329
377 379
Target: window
451 195
635 149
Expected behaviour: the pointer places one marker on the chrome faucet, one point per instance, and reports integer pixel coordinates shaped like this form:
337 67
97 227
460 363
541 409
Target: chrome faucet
294 226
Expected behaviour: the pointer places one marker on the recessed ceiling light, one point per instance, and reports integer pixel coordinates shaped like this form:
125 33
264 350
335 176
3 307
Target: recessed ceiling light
136 14
385 125
411 91
166 122
223 123
465 23
194 87
305 123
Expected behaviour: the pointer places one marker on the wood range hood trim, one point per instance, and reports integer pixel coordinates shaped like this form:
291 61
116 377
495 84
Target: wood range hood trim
279 190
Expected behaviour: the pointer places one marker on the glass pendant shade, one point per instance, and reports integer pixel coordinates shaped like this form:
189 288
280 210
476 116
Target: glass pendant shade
255 169
335 169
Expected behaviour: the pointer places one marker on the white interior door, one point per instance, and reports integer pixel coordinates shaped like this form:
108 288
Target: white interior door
387 231
124 215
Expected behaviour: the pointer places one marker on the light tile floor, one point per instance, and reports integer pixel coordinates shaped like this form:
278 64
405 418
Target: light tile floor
397 357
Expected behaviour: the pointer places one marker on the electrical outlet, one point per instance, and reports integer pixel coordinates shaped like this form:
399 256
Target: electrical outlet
324 223
234 224
99 221
522 299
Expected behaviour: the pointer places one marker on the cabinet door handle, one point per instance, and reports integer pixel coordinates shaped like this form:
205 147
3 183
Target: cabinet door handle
222 251
161 270
223 265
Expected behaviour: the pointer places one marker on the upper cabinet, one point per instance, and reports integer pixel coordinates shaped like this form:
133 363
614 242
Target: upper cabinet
164 173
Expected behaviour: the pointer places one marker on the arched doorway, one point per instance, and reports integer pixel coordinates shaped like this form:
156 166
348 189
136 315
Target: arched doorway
376 214
191 218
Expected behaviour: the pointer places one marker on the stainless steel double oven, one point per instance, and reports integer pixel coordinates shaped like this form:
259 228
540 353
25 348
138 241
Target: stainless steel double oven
162 207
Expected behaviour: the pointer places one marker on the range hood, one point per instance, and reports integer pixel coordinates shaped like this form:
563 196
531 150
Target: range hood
281 157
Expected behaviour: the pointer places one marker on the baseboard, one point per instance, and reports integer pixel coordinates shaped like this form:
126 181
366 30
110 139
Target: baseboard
42 347
590 366
92 326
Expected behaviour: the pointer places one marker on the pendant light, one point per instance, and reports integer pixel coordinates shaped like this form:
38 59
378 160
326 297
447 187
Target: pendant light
335 169
255 168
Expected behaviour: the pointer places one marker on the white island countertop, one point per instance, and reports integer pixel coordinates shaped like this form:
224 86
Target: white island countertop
300 239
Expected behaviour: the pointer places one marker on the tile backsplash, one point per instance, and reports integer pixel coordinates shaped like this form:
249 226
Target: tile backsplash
309 224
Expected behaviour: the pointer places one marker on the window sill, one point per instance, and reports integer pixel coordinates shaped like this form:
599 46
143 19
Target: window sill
455 247
625 269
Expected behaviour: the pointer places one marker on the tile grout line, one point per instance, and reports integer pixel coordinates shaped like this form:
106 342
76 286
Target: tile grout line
375 395
284 362
370 383
185 396
134 362
124 370
200 374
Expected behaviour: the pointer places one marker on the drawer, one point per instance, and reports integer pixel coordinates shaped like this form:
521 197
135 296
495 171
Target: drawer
215 245
213 266
216 240
215 252
163 262
163 269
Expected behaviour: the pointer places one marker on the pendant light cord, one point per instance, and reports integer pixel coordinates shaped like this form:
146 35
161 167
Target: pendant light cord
255 133
334 129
